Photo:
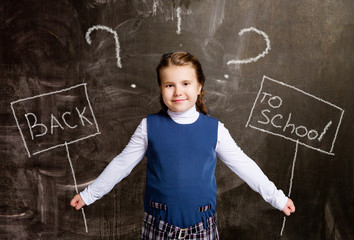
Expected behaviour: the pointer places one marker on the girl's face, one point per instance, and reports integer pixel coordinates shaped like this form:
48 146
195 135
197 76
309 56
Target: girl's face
179 87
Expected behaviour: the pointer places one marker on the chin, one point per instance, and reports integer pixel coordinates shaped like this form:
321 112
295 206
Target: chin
178 109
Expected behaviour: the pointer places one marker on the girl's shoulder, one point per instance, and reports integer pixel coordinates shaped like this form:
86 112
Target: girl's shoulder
160 113
209 117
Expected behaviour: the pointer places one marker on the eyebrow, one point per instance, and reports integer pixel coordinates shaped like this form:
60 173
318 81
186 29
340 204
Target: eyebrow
171 82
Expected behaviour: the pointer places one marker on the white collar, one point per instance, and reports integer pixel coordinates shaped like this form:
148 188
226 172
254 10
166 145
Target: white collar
187 117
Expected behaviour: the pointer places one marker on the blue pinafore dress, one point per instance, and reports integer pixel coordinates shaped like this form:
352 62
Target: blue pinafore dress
180 193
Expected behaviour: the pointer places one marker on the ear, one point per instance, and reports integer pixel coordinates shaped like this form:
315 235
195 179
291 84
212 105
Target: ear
199 88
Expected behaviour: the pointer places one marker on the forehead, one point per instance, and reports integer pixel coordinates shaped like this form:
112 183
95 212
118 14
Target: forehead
175 73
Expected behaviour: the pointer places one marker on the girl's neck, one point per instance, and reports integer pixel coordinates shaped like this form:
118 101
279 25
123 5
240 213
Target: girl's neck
187 117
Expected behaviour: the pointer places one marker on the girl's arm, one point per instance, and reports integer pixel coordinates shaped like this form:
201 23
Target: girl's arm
248 170
117 169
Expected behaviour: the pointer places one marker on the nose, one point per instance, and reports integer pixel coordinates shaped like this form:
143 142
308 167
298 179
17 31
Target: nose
177 91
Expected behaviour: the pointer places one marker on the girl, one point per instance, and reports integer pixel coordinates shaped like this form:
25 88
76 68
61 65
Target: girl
181 143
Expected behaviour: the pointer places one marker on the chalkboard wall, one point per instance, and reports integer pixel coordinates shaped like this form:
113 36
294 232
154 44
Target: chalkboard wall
77 77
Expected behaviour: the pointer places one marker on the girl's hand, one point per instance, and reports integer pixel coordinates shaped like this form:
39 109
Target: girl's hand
289 207
77 202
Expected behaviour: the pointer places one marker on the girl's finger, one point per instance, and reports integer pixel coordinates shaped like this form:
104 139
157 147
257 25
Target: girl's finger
75 200
73 203
292 208
286 211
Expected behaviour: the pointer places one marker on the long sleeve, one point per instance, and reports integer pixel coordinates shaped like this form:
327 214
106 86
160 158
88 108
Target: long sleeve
119 167
247 169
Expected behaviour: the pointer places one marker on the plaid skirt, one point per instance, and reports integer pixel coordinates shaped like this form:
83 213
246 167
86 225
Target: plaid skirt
165 231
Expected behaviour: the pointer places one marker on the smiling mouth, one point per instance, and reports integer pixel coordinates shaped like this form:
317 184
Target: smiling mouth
178 100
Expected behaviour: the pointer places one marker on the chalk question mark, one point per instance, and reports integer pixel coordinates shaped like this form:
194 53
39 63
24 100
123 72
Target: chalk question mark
115 35
255 59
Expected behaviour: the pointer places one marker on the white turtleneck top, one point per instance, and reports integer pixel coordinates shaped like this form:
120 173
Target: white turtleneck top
226 149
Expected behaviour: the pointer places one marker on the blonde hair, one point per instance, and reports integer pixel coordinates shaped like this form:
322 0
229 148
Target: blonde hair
183 59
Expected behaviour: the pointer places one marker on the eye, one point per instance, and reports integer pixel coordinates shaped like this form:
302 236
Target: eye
168 85
186 83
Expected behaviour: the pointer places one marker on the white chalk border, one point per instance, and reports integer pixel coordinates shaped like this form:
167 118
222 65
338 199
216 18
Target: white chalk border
287 138
50 93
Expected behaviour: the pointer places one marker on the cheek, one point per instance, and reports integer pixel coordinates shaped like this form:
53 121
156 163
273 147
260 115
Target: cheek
165 92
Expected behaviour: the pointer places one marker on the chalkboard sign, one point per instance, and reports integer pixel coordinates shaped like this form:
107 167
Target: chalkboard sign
77 77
